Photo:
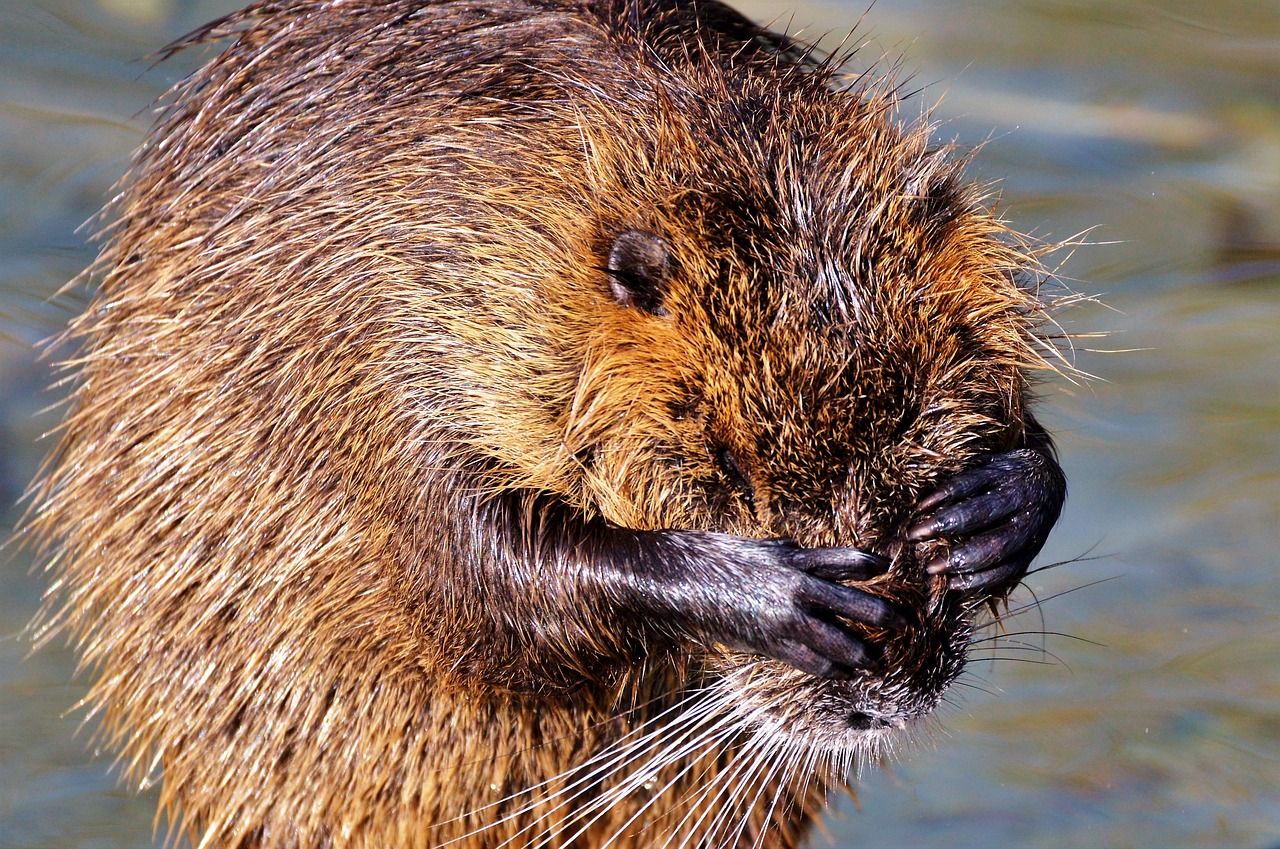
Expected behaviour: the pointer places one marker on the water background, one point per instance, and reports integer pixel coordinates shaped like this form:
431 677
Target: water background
1152 715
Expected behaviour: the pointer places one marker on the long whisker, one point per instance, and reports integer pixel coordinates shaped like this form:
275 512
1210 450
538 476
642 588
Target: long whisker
693 743
677 742
684 770
610 760
771 766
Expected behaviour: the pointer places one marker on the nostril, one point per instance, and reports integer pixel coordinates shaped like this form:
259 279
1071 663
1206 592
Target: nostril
859 721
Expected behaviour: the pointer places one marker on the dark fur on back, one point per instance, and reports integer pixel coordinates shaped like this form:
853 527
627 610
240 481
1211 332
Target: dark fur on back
363 408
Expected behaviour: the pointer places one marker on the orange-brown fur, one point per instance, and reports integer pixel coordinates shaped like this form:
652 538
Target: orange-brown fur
242 508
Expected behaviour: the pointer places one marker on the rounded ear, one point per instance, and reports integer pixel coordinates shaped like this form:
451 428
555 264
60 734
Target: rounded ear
639 265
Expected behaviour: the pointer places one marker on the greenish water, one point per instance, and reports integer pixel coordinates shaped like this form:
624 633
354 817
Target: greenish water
1154 126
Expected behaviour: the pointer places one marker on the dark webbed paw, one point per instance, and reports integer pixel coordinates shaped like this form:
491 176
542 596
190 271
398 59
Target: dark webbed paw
772 597
768 597
998 516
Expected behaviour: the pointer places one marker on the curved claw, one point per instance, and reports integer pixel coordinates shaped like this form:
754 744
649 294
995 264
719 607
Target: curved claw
961 486
846 652
814 663
981 552
850 603
838 563
995 576
967 516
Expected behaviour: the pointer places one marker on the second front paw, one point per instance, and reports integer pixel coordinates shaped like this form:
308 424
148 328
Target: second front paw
995 517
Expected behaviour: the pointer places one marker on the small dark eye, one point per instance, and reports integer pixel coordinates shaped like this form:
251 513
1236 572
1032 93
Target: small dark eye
733 471
639 265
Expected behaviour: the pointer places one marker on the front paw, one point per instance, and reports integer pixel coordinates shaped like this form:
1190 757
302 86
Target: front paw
998 516
792 607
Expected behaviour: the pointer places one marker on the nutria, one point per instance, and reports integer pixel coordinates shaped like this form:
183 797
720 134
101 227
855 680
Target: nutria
535 423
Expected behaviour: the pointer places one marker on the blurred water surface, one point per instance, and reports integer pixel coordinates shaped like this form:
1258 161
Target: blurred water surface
1150 714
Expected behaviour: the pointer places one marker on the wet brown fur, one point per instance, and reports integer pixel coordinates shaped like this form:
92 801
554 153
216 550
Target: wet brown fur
352 289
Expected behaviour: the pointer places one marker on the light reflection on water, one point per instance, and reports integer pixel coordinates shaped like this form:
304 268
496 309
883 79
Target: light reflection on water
1156 722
